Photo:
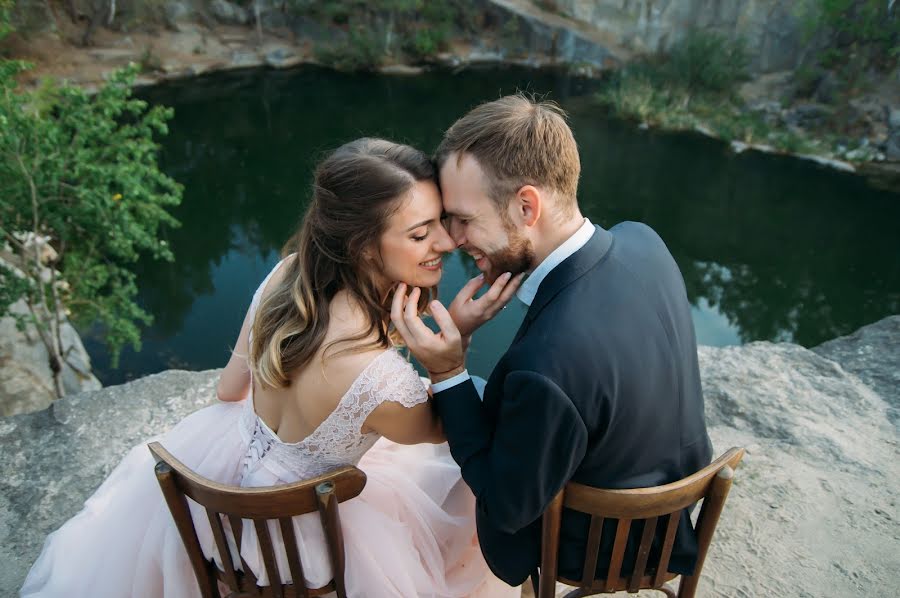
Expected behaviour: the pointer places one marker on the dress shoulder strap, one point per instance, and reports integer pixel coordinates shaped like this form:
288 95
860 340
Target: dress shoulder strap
257 296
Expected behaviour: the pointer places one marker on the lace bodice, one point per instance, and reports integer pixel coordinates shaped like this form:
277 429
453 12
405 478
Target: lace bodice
338 440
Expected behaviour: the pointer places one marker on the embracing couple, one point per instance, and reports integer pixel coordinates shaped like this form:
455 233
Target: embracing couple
600 385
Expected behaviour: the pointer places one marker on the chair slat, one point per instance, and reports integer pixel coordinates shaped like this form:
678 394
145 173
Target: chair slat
668 543
237 528
592 551
331 522
215 522
640 563
293 556
618 553
271 565
550 522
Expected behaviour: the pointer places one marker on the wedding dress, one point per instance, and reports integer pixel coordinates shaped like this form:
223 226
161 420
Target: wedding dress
410 533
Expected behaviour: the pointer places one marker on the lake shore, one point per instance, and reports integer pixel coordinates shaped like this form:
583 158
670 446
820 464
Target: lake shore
191 48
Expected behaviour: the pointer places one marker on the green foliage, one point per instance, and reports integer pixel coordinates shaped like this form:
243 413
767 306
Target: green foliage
638 96
853 37
424 43
379 28
362 51
82 171
705 61
6 7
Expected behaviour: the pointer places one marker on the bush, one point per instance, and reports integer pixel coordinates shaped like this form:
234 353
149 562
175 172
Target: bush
868 29
5 17
81 171
425 43
708 62
362 51
422 28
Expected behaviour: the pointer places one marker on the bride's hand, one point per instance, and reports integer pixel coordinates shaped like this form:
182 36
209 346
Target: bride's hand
469 313
441 353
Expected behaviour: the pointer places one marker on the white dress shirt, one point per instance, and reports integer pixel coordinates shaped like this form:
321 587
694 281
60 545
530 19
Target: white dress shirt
529 288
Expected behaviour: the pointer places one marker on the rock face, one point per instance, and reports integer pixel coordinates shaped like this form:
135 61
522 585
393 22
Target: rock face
813 510
26 380
771 28
892 148
54 459
536 34
871 353
228 13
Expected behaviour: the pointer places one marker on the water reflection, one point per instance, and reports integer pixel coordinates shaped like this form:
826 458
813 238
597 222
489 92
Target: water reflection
770 248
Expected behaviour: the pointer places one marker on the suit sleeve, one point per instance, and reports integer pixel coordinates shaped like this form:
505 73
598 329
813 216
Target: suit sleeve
516 465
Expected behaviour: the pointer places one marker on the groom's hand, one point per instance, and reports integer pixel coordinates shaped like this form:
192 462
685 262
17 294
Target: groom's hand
469 313
440 353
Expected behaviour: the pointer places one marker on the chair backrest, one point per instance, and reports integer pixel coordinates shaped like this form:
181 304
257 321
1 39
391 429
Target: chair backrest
259 505
658 507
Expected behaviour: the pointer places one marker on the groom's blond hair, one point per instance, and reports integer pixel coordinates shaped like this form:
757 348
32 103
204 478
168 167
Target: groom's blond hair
518 140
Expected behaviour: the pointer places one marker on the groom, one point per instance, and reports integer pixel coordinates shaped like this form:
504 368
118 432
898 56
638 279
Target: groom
601 384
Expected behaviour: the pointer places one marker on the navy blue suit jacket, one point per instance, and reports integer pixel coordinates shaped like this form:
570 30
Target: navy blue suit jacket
600 386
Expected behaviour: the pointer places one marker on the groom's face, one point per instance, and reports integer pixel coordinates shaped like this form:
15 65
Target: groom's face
476 225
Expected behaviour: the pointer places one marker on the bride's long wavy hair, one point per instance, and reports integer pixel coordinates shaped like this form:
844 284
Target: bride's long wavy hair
356 190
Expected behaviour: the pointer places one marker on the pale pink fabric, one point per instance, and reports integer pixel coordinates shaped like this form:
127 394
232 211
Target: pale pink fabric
410 533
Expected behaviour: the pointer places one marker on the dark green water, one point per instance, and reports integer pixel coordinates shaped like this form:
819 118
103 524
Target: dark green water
770 248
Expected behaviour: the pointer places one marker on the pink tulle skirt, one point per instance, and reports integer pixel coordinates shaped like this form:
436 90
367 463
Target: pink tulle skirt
410 533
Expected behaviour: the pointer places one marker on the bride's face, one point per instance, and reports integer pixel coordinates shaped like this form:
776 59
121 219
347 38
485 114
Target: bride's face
414 242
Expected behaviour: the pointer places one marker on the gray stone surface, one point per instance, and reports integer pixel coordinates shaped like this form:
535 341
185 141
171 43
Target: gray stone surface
526 32
892 146
813 511
26 380
813 505
54 459
229 13
773 29
873 355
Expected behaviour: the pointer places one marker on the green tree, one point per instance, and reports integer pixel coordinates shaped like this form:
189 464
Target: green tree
5 10
81 171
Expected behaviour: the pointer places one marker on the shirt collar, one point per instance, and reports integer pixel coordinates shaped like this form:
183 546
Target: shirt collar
578 240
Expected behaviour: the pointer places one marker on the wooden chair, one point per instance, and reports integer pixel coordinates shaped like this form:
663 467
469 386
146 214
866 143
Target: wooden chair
260 505
651 505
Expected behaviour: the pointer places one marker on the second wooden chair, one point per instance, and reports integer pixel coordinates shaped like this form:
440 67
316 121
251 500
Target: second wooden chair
660 506
259 505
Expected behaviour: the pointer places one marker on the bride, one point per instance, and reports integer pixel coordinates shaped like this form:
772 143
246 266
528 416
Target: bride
314 382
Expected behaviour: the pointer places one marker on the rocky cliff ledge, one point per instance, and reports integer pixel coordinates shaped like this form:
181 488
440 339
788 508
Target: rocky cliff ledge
813 510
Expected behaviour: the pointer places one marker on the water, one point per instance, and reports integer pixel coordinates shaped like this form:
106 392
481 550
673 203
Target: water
770 248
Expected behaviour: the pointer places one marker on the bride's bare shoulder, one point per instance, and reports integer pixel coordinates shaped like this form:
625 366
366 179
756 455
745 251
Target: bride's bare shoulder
278 275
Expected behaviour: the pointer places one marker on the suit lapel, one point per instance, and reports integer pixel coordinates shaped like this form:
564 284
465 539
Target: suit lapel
567 272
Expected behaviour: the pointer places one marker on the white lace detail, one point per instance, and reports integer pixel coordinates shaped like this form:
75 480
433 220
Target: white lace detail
338 440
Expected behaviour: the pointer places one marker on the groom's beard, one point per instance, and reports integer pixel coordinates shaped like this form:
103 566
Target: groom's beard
516 257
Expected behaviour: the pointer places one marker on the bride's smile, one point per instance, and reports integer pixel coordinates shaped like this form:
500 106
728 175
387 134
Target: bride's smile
414 242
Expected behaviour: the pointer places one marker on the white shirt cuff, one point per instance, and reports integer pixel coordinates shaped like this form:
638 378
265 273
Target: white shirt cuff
450 382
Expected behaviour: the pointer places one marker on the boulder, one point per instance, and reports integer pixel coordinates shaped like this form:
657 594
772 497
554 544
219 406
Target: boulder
54 459
892 147
525 31
26 380
808 116
228 13
772 29
871 354
812 512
